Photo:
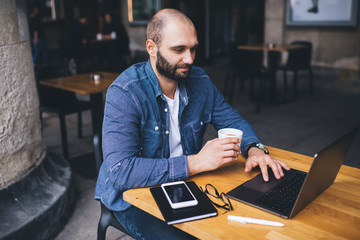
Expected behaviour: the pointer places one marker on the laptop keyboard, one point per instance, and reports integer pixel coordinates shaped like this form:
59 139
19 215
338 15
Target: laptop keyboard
282 197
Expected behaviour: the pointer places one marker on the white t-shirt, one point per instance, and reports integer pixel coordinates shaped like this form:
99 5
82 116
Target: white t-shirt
174 131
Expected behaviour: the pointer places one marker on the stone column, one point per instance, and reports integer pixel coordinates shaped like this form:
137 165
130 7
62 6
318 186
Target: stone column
36 197
21 143
274 21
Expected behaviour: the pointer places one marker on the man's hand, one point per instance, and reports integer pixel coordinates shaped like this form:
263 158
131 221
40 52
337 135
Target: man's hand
257 157
35 40
214 154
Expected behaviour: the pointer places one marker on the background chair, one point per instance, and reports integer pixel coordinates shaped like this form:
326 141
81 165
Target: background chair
59 102
107 217
298 60
246 64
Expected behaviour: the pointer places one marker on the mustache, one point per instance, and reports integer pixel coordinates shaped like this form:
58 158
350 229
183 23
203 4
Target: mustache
183 66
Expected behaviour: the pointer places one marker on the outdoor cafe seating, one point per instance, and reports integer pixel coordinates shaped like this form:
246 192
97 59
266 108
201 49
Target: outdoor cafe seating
246 65
298 60
60 102
107 217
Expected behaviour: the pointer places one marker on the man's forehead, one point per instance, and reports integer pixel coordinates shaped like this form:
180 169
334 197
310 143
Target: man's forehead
189 45
179 34
181 43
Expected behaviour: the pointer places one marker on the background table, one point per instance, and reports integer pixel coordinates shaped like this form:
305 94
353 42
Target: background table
83 84
271 61
275 48
333 214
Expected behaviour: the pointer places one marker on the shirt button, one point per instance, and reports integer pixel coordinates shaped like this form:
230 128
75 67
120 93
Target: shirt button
167 132
201 123
156 128
166 110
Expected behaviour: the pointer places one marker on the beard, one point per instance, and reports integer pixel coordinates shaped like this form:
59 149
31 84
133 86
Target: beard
169 71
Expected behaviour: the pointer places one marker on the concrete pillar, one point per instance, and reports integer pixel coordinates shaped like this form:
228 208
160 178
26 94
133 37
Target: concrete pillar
21 143
36 195
274 21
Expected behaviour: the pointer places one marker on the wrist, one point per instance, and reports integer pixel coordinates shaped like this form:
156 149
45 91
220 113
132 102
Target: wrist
192 163
255 151
256 145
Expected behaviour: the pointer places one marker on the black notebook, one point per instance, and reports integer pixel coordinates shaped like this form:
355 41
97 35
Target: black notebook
203 209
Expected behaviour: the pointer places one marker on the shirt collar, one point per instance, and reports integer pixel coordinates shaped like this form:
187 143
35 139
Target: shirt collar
183 96
153 79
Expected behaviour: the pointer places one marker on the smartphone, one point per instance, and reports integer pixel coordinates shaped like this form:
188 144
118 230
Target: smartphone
179 195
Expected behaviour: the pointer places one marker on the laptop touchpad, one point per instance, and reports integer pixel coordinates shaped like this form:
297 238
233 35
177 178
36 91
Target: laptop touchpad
258 183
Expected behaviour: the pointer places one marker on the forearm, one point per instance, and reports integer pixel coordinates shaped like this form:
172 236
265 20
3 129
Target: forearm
224 116
35 37
136 172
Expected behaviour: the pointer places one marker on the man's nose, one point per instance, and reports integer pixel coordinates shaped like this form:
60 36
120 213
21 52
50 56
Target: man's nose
188 57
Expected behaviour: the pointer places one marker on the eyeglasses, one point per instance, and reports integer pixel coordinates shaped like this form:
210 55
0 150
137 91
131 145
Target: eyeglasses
212 191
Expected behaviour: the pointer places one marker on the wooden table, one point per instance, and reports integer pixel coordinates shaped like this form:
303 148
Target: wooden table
266 47
83 84
271 58
333 214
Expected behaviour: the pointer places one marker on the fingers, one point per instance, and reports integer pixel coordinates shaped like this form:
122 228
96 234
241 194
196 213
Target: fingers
248 166
229 140
230 147
283 165
275 166
264 162
264 171
225 149
229 144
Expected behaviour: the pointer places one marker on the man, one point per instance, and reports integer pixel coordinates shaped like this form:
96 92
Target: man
78 45
113 53
156 115
37 36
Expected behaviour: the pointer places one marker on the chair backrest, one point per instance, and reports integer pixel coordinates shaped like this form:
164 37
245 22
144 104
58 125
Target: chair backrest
98 151
245 62
107 217
51 97
300 58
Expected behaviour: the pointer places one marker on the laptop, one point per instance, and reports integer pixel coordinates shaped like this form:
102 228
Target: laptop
289 195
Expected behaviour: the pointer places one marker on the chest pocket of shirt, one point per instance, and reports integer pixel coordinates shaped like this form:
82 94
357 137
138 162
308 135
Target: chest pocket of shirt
198 129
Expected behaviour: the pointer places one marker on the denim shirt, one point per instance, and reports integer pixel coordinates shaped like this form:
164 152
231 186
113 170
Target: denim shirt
136 130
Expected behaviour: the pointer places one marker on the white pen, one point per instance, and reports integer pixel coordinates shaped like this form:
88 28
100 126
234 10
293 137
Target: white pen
245 220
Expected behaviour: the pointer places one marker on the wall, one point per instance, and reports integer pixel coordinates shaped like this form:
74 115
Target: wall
332 47
21 143
137 34
335 50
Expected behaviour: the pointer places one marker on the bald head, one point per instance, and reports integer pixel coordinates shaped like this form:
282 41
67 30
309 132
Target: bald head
161 19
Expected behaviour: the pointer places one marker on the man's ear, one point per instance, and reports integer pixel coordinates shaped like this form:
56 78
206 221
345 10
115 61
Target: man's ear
151 47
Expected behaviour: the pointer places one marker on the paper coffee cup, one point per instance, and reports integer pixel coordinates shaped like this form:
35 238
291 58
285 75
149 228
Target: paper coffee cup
230 132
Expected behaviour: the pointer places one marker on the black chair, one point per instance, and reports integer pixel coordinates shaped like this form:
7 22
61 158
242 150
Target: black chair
107 217
59 102
246 64
298 60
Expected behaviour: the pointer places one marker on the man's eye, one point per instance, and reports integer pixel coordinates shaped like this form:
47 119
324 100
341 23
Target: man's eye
179 50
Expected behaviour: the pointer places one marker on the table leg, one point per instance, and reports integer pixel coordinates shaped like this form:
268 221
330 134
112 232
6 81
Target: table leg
273 61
